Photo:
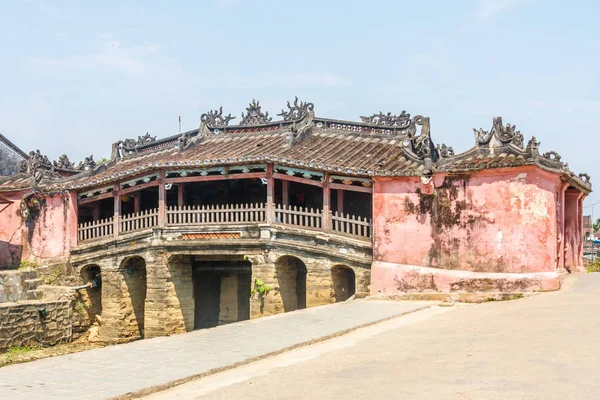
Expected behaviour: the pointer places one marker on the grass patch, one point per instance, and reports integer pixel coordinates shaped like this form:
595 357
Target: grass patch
21 354
27 265
15 353
505 297
595 267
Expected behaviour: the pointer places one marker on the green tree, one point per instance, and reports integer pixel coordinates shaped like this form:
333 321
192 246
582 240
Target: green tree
596 226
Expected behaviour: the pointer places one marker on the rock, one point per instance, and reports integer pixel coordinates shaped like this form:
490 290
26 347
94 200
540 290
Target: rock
93 337
99 319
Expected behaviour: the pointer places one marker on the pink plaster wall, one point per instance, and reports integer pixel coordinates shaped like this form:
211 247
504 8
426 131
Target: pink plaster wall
47 236
497 221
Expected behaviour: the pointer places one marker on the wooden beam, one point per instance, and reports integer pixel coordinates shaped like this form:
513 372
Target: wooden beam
162 200
326 203
270 193
340 186
136 202
98 197
340 201
285 192
139 187
297 179
96 212
180 194
250 175
117 210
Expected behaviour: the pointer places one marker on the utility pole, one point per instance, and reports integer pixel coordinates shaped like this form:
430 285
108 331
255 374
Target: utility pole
180 124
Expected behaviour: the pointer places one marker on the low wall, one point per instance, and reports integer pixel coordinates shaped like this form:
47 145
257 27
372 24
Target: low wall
397 279
22 325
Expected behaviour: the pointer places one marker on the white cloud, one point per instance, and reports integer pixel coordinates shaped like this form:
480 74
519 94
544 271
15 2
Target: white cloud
487 9
142 66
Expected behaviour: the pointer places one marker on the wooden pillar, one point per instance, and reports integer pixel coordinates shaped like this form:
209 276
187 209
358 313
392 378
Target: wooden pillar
340 202
136 201
162 200
96 211
580 230
326 203
180 194
117 210
561 244
270 192
285 192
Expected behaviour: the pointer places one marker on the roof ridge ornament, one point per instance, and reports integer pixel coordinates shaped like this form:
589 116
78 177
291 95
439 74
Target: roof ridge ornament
504 134
401 121
255 115
296 111
216 118
64 163
87 164
39 167
444 151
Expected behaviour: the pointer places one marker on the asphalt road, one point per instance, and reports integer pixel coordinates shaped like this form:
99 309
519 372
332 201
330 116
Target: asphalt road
541 347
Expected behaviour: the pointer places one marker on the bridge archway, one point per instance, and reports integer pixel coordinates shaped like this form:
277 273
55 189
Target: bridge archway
291 278
344 282
133 270
92 295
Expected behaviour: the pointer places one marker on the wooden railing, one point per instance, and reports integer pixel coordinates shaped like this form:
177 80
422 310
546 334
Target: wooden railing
298 216
138 221
221 214
95 229
308 218
351 225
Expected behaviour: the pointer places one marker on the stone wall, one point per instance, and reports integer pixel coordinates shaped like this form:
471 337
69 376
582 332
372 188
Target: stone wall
279 271
18 286
21 324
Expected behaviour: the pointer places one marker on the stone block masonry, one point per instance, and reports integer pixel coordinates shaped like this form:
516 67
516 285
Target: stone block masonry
23 324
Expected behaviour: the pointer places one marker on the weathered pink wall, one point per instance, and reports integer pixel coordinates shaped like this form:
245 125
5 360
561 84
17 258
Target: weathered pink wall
491 221
48 235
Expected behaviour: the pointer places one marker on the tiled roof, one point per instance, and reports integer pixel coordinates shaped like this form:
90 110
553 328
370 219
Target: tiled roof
380 145
13 146
347 154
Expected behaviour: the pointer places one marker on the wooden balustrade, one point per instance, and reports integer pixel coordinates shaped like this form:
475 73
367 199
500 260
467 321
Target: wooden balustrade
138 221
218 214
298 216
95 229
309 218
351 225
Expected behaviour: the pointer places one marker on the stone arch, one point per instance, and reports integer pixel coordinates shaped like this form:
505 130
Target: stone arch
291 272
91 295
344 282
133 271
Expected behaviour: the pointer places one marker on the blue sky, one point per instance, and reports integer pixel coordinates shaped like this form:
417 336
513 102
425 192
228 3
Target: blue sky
77 76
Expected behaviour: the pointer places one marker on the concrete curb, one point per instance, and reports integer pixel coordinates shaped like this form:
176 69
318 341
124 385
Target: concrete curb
158 388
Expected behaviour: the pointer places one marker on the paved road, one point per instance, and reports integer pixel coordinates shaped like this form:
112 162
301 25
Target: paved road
118 370
542 347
